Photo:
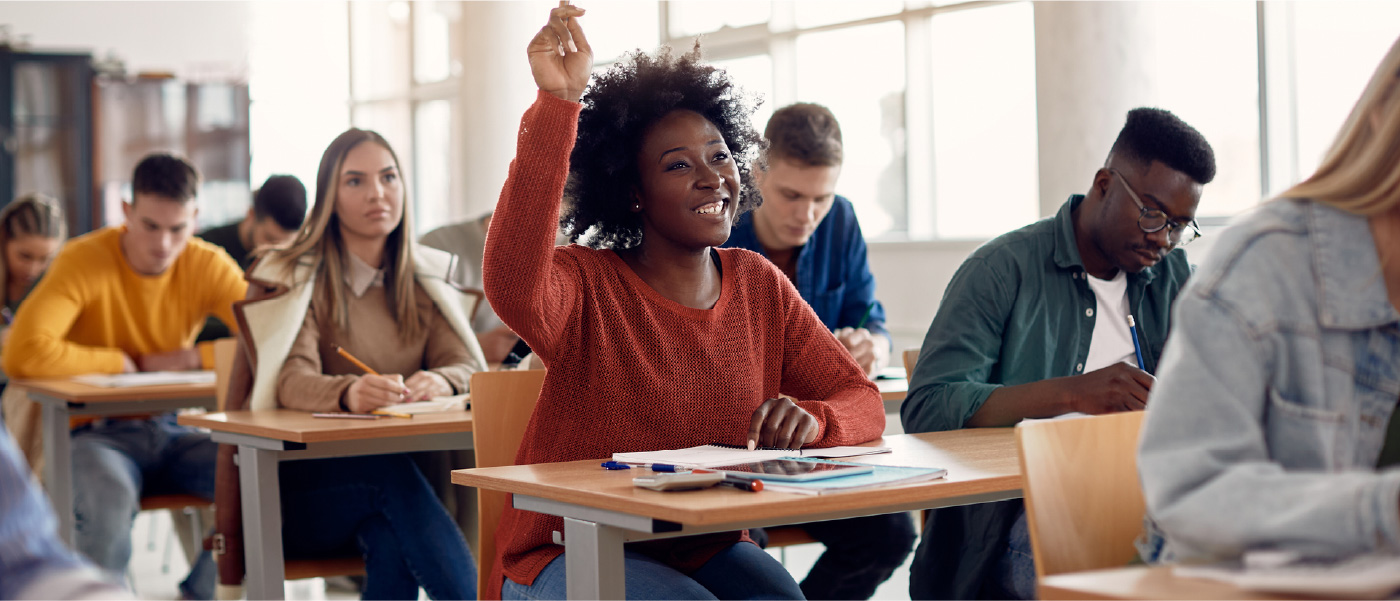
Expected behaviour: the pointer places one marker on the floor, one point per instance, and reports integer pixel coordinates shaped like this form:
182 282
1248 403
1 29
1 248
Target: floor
158 565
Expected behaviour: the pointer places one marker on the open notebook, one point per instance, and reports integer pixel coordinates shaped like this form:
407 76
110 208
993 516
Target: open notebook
146 378
711 455
434 405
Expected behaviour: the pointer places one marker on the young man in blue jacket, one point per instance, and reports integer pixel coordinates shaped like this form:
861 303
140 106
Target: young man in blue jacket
811 234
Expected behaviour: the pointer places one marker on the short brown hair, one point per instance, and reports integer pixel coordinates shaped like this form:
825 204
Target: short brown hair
804 132
165 175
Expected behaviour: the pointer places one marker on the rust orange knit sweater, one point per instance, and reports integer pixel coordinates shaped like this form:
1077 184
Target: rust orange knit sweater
630 370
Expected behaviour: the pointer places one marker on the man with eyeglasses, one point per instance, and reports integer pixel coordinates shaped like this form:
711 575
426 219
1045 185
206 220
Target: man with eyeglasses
1035 325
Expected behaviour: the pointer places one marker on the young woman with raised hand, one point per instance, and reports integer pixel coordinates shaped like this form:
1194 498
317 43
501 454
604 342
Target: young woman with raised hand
653 337
354 279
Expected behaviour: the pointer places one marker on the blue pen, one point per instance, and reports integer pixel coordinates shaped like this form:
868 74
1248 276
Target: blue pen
616 465
1137 346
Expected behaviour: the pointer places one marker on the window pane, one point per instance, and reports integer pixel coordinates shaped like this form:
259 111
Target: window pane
433 23
755 75
432 152
867 99
393 121
815 13
379 48
691 17
1337 47
617 27
1222 58
986 175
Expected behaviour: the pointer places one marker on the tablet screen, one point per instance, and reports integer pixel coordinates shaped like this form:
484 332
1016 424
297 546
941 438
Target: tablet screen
789 469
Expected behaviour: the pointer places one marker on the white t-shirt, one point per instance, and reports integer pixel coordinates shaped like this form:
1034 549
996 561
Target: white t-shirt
1112 342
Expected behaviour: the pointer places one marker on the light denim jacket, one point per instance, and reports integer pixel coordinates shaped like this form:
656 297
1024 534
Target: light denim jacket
1275 391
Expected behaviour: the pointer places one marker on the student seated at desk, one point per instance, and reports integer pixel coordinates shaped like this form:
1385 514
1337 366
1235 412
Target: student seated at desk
653 337
354 279
1034 325
1274 422
122 299
812 235
32 227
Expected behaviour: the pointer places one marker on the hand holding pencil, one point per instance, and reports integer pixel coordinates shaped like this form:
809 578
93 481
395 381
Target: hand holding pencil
372 390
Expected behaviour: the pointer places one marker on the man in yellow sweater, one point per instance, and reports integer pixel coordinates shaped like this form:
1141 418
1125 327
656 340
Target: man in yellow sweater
121 299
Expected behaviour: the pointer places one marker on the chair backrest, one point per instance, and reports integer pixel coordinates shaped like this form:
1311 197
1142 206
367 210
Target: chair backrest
502 402
911 356
1084 502
224 349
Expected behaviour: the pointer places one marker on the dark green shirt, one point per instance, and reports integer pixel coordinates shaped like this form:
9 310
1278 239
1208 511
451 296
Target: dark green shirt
227 237
1020 310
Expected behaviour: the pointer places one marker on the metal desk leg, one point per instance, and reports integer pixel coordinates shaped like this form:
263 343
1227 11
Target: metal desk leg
593 561
262 522
58 466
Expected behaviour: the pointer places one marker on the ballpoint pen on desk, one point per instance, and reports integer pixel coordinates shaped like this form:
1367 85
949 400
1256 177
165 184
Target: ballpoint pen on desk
1137 346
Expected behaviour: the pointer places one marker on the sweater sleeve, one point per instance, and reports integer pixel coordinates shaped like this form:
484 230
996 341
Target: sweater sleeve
225 285
530 284
38 346
300 384
825 380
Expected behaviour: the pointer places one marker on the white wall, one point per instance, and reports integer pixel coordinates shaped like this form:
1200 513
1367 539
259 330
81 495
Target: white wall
191 39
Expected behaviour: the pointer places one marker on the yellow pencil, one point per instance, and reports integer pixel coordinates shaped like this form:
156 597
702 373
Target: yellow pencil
369 370
391 413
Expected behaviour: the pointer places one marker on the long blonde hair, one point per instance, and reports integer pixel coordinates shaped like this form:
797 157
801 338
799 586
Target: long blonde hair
1361 172
31 215
320 240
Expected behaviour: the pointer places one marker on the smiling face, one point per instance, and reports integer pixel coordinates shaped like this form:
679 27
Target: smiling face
688 191
1116 234
28 255
796 197
369 192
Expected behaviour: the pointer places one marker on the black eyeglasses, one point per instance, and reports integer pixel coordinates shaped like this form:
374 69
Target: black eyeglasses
1152 220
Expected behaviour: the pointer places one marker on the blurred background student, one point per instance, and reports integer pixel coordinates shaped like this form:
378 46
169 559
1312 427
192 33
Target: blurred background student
32 228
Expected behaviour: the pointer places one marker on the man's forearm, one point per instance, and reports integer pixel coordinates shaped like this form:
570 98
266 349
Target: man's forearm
1010 404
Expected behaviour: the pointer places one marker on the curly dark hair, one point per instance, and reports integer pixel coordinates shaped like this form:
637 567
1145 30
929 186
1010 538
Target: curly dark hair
618 107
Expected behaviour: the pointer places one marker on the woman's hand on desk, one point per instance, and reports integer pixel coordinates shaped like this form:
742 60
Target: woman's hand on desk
425 385
782 424
371 392
560 58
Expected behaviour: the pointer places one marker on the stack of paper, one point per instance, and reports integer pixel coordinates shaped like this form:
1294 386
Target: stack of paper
881 475
147 378
433 405
711 455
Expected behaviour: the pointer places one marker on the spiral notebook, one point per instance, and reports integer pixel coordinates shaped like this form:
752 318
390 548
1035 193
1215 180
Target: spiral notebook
712 455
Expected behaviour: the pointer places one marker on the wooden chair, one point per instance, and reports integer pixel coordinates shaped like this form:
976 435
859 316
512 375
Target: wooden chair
1084 503
911 356
502 402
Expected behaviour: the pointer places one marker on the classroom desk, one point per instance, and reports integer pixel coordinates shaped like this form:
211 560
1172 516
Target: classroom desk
61 399
1141 582
602 510
892 393
266 438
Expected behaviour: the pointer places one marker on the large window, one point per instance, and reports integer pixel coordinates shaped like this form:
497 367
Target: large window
910 76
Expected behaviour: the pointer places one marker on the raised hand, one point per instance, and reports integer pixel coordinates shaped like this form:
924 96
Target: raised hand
560 57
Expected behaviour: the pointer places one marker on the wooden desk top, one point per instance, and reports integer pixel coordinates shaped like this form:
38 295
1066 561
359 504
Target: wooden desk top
1140 582
300 426
978 461
892 390
76 392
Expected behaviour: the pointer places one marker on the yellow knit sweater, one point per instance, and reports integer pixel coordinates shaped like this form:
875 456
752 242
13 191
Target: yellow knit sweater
91 307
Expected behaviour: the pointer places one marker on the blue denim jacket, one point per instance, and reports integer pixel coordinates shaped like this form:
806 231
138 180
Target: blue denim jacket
1274 394
29 544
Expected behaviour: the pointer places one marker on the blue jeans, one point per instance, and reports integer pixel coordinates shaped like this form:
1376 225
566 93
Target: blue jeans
743 571
117 462
381 508
1015 572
